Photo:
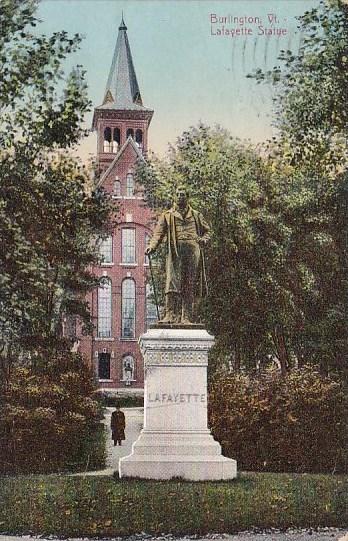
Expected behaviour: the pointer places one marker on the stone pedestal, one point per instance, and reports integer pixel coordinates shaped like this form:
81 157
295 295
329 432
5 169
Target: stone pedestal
175 440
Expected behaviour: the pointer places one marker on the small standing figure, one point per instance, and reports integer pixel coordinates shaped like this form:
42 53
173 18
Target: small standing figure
128 370
186 233
118 425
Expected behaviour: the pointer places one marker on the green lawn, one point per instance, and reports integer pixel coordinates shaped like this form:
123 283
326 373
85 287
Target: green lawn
103 506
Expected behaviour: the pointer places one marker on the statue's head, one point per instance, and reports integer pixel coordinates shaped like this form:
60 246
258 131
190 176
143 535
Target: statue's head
182 196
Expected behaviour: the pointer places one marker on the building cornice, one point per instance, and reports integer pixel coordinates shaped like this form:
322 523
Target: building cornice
121 114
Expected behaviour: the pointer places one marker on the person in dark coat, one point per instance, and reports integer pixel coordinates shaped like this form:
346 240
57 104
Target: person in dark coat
118 425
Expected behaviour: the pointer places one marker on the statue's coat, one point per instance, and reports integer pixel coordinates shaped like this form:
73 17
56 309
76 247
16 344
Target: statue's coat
166 228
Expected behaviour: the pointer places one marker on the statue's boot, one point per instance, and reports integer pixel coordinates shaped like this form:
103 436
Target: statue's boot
186 315
170 315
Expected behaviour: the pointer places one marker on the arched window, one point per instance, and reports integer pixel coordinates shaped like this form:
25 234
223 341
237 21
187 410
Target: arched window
116 140
105 250
130 185
104 365
128 371
128 245
107 140
147 240
104 309
139 138
128 308
151 310
117 188
130 133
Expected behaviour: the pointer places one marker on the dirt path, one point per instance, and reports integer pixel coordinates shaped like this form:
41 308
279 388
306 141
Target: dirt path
134 423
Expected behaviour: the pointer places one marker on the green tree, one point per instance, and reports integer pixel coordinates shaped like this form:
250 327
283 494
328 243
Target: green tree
51 219
277 262
273 270
250 307
48 214
311 107
312 90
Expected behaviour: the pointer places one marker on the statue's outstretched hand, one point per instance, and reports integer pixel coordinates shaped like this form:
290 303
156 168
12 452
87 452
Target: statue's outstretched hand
202 241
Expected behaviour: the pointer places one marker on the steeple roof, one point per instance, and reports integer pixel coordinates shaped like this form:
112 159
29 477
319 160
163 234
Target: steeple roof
130 141
122 89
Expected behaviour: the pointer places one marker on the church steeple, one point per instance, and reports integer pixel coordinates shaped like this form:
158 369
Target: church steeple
122 89
121 123
122 113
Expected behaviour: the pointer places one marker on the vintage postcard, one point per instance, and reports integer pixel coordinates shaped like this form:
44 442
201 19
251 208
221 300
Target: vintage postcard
173 295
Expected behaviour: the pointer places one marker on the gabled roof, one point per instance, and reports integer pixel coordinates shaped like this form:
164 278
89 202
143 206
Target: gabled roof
122 89
129 141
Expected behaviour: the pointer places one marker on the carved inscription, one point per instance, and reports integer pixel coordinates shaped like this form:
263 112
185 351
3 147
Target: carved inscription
171 357
177 398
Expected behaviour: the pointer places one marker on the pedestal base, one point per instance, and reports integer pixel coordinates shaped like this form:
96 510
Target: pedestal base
192 455
175 440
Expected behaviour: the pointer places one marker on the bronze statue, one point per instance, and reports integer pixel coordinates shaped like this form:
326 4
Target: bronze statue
186 233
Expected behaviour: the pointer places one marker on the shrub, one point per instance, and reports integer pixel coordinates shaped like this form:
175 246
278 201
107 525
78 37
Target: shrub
89 453
296 423
49 419
122 400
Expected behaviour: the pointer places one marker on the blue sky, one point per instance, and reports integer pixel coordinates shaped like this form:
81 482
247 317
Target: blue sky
187 71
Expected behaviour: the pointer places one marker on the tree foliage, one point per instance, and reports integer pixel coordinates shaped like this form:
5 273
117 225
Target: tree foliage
312 90
50 220
278 259
250 301
49 216
311 115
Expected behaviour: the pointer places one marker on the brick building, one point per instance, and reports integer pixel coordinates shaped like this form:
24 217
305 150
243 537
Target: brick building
121 309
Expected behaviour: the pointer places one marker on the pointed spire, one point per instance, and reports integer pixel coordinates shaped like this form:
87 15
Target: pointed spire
122 90
122 25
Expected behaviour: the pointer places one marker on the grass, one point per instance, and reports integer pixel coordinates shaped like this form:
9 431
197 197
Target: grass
102 506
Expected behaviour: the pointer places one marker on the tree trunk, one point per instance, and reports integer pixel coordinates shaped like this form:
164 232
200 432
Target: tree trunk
281 350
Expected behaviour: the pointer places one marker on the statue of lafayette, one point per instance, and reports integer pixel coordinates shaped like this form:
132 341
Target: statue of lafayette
186 233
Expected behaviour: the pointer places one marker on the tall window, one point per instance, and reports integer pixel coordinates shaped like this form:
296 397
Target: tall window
130 185
128 308
105 250
128 245
139 138
128 369
117 188
130 132
147 240
151 310
116 140
104 365
107 140
104 309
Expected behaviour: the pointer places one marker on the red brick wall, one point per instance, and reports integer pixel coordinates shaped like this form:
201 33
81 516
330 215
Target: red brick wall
141 221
